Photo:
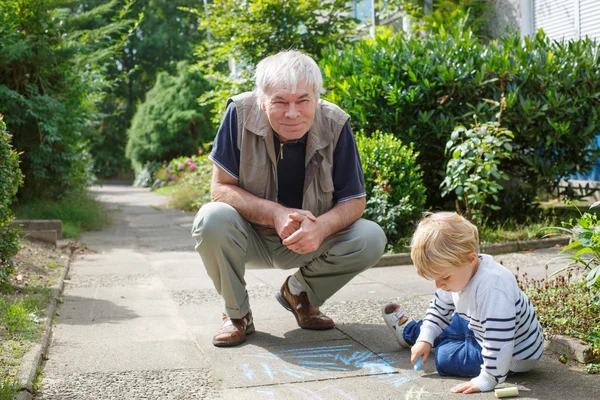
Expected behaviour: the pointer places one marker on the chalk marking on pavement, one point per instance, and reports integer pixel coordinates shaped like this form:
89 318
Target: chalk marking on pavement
248 372
411 392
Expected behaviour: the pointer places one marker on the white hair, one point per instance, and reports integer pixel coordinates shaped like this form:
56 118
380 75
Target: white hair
284 70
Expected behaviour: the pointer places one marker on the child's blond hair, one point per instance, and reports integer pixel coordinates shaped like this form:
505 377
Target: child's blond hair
442 240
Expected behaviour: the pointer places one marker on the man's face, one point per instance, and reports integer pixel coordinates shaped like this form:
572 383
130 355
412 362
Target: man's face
291 114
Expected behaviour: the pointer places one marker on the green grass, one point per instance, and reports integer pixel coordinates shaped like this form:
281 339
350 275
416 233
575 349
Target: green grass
8 389
78 212
167 190
185 196
21 317
23 304
20 329
511 231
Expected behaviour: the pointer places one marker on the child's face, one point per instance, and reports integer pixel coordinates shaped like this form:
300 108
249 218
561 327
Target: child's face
456 279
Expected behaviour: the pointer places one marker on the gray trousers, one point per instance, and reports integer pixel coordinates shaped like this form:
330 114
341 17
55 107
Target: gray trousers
228 244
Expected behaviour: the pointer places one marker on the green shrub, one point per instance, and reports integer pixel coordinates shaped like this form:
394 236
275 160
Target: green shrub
53 66
147 174
584 250
170 122
193 175
393 182
181 167
472 172
446 13
420 89
9 184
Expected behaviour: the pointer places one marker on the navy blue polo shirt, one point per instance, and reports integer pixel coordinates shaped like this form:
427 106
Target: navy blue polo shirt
348 177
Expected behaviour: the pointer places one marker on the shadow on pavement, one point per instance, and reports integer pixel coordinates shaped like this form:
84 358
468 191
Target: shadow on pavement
86 311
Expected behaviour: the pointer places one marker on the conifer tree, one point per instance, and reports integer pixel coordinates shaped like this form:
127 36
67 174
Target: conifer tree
53 57
170 123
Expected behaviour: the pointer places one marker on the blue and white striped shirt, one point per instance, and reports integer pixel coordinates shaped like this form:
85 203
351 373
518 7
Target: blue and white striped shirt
500 315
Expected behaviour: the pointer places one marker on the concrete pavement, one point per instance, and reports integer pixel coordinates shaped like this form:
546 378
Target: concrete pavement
139 313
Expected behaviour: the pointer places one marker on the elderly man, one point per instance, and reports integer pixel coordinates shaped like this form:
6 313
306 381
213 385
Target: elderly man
287 192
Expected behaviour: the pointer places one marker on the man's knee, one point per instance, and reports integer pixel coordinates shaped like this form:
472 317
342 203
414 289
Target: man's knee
371 241
212 221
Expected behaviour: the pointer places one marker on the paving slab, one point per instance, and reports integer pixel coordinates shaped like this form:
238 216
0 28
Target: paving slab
119 294
379 339
369 291
253 364
179 269
397 385
70 358
79 310
533 262
158 244
402 278
205 292
81 280
105 263
189 256
106 332
164 384
188 287
272 276
369 310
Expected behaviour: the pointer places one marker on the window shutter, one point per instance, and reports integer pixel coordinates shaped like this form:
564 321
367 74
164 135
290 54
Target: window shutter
567 19
556 17
589 11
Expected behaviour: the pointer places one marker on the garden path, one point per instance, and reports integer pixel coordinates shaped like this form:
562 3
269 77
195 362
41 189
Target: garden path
139 312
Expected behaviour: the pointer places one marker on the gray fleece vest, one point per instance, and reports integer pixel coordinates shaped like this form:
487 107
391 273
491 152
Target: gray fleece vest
258 165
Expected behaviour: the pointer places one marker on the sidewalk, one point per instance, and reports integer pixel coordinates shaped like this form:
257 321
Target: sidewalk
139 313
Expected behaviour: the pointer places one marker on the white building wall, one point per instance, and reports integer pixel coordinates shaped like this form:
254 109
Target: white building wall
560 19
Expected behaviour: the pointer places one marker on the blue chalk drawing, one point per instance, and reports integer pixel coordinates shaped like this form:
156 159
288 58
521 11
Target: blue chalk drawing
379 367
323 358
344 357
270 372
248 372
322 366
331 358
398 381
267 370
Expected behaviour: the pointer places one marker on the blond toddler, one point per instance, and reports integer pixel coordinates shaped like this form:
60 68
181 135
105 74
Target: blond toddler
479 321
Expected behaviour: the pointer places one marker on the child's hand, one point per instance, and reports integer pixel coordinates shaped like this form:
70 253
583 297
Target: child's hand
420 349
465 388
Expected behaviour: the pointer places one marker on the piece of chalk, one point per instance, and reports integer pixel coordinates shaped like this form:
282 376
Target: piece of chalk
419 364
507 392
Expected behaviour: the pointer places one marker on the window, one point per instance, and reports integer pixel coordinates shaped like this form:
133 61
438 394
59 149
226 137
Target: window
362 10
562 19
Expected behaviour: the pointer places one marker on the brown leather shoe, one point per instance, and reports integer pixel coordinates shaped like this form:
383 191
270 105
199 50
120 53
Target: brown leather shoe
307 316
233 331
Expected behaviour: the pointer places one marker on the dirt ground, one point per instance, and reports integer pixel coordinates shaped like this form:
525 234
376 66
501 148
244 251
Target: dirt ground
37 268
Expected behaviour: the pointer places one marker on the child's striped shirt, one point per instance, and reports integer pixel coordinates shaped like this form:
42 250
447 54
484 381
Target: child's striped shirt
499 314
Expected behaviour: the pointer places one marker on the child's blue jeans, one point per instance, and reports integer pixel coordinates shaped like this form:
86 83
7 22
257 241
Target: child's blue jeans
457 352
